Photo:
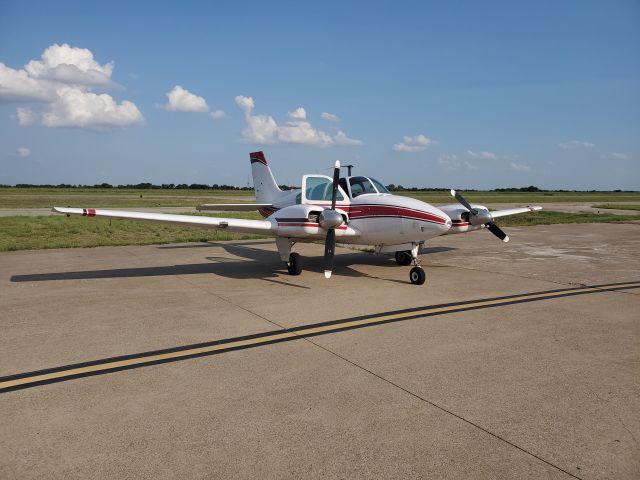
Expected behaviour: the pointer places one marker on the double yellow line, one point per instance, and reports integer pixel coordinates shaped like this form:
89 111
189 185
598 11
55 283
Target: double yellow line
30 379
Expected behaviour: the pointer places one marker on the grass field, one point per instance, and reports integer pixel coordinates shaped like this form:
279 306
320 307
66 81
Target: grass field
617 206
39 232
115 198
35 233
31 233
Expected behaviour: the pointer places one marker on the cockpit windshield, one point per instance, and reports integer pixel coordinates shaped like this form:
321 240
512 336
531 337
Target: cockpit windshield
381 188
362 185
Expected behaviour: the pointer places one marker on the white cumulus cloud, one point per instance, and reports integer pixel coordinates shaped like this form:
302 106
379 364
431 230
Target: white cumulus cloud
77 108
23 152
298 114
62 81
67 64
451 162
576 144
18 86
482 155
329 117
182 100
26 116
263 129
218 114
519 167
412 144
341 138
616 156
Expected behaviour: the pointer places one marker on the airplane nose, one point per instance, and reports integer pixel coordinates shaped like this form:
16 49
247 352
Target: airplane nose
447 223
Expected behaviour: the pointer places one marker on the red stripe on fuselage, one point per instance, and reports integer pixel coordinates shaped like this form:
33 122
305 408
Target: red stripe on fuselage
360 211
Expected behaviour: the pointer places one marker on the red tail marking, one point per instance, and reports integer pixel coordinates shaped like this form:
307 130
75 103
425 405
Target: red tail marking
258 157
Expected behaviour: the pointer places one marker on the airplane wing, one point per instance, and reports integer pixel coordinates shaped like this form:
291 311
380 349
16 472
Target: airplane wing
232 224
233 207
514 211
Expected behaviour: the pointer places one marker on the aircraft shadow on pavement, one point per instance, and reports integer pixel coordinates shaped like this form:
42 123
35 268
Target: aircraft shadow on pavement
255 263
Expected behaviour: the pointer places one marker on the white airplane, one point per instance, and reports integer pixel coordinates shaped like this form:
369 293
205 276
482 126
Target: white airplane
355 209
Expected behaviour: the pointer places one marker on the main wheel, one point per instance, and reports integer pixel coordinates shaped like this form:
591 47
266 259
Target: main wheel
403 258
294 265
417 276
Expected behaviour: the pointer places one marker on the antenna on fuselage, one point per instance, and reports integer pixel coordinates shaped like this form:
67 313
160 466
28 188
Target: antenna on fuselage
349 167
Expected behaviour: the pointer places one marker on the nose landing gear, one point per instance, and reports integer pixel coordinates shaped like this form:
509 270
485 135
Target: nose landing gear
416 274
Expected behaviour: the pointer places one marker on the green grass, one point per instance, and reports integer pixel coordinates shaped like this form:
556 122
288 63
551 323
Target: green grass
34 233
31 233
122 198
526 198
116 198
616 206
552 218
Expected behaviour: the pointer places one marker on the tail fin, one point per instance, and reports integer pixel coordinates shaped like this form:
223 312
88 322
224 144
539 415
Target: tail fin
267 190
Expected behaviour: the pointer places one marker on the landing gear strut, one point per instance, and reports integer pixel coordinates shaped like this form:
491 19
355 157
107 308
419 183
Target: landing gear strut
416 274
294 265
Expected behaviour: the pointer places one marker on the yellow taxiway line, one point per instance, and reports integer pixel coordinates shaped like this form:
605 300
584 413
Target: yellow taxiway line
57 374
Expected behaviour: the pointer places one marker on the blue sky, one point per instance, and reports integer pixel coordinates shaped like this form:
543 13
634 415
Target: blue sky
444 94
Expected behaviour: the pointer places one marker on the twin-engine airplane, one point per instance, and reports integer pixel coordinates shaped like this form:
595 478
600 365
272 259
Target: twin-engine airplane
353 209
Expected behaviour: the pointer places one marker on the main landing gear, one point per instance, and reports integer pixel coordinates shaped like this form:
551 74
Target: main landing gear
294 265
407 257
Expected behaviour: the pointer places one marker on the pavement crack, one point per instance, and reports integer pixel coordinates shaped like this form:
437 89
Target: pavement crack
443 409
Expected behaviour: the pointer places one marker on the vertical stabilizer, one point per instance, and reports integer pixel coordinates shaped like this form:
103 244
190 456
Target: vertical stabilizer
267 190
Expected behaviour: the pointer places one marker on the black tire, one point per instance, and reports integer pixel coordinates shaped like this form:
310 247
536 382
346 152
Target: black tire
403 258
294 266
417 276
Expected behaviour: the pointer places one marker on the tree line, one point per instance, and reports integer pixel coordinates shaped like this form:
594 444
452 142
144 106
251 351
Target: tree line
203 186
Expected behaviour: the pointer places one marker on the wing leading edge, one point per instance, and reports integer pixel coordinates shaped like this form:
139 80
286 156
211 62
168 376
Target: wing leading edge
232 224
514 211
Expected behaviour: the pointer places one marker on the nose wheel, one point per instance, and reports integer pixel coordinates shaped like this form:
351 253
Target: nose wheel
417 275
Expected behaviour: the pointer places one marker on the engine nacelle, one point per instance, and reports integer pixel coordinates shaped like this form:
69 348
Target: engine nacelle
306 220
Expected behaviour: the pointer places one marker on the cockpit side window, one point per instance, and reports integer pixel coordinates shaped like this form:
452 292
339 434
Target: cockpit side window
360 186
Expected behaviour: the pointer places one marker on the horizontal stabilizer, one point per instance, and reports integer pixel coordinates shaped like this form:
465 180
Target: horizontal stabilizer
232 207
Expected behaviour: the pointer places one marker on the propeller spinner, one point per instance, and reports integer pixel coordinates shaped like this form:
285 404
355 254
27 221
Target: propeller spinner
480 217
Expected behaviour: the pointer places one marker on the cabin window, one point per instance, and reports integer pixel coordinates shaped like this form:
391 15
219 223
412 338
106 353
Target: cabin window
320 189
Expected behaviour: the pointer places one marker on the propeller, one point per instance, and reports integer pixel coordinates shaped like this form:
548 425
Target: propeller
330 219
480 217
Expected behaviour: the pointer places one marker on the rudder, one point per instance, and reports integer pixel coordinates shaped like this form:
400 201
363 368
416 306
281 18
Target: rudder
267 190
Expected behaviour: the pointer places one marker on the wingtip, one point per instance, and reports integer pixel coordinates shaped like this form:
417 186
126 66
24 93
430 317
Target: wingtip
327 274
452 192
505 239
337 164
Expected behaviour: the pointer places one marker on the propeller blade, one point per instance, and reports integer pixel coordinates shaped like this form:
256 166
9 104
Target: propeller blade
329 249
336 179
497 231
463 202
